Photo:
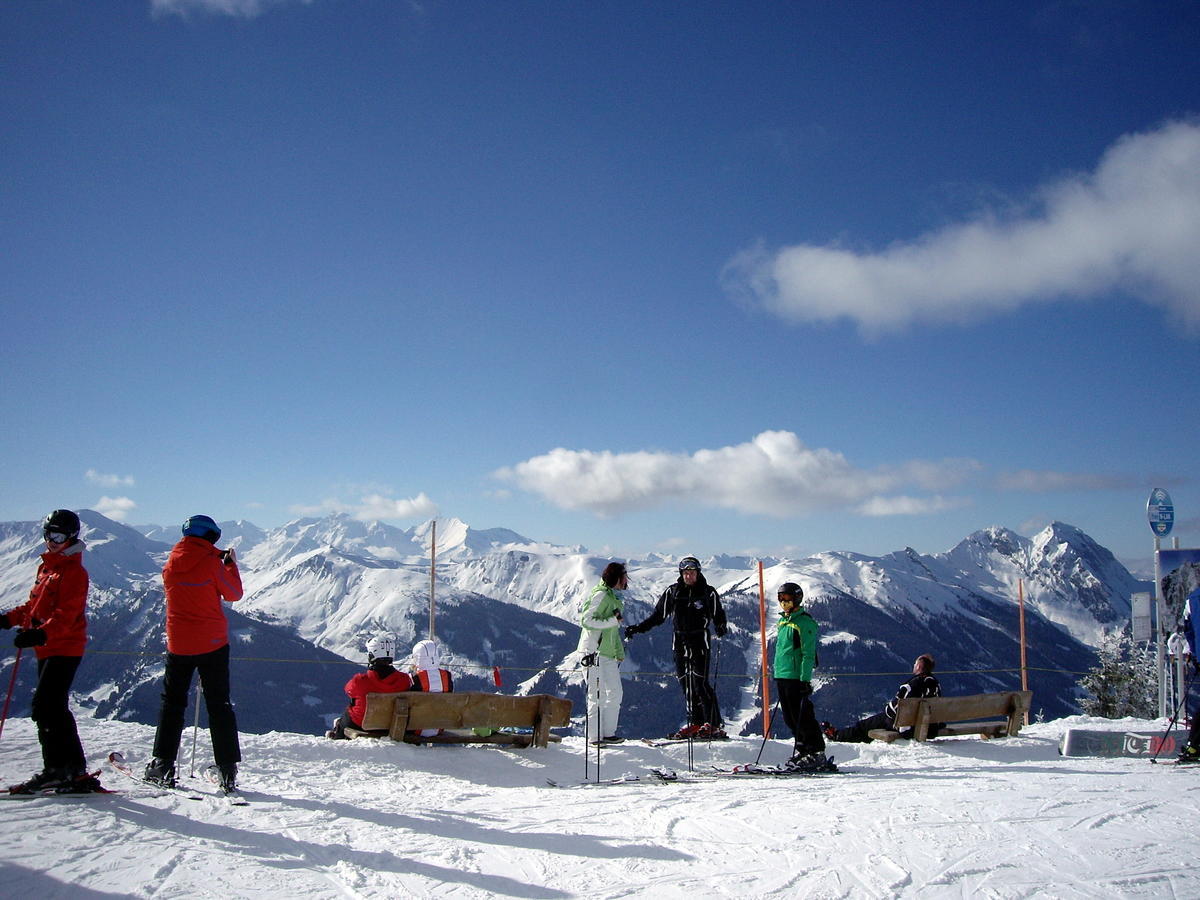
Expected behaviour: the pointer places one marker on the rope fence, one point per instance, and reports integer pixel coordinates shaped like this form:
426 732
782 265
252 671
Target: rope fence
566 670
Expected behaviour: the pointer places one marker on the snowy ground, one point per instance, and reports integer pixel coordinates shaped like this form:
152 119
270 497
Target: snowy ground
953 818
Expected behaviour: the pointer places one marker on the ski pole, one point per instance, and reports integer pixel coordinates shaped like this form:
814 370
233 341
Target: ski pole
690 668
763 745
1187 686
599 720
587 723
11 684
195 726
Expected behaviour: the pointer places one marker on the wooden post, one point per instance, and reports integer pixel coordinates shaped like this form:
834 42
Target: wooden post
432 575
762 622
1021 609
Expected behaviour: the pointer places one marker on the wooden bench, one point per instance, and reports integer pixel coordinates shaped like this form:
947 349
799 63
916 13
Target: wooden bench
403 716
954 715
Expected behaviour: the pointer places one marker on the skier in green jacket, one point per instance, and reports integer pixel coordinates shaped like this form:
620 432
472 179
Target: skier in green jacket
795 656
600 618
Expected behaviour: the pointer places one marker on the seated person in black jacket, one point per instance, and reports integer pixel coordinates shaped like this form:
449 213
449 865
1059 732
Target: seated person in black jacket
922 684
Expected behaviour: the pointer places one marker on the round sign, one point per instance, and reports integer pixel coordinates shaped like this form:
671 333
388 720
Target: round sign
1160 512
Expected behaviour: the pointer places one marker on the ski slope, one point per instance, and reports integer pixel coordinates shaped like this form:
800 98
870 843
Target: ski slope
953 818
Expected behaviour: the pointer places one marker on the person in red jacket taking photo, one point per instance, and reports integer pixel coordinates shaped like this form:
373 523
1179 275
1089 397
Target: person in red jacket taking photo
53 623
197 578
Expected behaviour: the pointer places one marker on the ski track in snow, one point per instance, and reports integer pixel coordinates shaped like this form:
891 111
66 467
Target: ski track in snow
953 818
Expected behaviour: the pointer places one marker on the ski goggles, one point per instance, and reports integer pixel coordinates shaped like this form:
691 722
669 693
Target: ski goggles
55 537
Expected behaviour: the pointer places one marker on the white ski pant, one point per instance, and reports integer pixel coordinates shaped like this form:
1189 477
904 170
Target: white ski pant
603 698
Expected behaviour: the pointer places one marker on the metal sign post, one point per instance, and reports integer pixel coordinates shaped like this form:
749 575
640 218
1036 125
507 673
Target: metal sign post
1160 513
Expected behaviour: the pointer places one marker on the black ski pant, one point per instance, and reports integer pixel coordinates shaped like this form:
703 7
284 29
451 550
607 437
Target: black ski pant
214 681
795 700
691 668
859 732
51 713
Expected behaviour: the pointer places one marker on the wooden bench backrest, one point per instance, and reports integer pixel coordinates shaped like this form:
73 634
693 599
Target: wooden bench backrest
465 709
958 709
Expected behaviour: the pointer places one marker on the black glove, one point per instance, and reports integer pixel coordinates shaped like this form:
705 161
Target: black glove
630 631
722 630
30 637
804 688
4 623
590 660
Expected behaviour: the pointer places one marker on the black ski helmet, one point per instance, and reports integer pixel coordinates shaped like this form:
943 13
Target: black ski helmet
791 589
689 562
61 521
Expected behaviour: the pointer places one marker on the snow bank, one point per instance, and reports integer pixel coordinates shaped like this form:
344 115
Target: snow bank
953 818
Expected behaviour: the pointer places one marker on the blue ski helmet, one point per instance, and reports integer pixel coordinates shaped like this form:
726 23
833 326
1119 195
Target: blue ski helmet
202 527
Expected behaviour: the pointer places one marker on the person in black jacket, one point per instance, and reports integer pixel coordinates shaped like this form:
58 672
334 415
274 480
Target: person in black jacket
922 684
691 603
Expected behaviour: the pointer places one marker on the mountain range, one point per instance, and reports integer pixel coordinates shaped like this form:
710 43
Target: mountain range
503 604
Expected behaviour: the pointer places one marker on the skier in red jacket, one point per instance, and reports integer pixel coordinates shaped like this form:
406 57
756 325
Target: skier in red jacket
54 624
381 677
197 577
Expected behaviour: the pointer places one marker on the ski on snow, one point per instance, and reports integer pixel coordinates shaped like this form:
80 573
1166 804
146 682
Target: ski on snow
753 769
653 776
116 760
669 742
57 793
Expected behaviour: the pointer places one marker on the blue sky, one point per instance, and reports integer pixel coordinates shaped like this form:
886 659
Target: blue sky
707 277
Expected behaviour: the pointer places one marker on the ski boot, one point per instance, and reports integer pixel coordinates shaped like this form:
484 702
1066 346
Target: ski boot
160 772
227 779
45 780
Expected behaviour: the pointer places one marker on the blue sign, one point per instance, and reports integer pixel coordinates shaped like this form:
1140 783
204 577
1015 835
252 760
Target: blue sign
1160 512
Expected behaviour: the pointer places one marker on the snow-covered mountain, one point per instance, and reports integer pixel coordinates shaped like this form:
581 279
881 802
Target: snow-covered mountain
316 589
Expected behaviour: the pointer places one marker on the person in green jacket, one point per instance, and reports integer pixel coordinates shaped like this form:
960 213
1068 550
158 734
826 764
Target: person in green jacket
600 618
795 656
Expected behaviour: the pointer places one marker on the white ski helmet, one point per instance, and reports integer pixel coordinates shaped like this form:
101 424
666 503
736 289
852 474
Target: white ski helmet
381 647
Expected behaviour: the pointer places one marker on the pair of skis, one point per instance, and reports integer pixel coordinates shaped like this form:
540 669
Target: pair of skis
653 776
212 774
670 776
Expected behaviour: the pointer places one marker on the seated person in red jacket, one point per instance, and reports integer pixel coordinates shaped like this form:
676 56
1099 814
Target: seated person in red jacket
922 684
381 677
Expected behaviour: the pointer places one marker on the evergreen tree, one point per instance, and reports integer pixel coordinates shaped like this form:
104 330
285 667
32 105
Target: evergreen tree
1124 683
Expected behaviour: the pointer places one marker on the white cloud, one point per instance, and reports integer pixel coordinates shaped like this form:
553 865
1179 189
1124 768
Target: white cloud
372 507
246 9
109 481
909 506
377 506
774 474
1132 225
116 508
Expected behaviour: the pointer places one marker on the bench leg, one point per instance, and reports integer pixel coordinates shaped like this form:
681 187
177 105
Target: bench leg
541 723
921 726
399 720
